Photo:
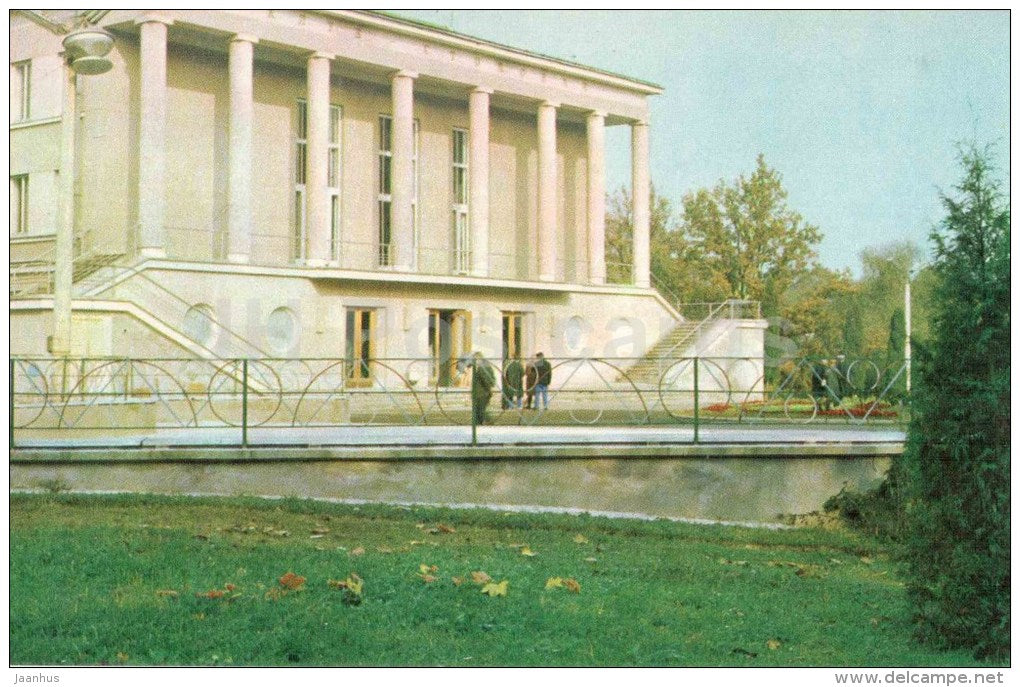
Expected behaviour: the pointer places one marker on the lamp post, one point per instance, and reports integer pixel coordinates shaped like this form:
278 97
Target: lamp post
85 51
906 313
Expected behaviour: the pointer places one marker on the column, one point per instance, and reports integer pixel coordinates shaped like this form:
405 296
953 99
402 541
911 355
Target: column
152 138
478 183
547 197
401 208
597 198
641 189
242 122
317 229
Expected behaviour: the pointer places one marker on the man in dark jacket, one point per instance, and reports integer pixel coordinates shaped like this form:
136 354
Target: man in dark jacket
483 380
544 371
513 378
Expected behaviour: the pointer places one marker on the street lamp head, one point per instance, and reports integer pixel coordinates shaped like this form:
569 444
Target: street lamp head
87 50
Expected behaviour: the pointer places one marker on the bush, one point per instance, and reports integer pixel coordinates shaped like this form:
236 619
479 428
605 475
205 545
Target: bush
955 470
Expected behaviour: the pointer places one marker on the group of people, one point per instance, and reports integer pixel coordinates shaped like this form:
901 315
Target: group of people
524 386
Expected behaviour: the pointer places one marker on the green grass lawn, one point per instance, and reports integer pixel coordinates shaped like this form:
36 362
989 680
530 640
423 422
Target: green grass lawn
180 581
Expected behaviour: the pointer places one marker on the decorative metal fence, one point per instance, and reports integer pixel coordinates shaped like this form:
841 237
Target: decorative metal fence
67 398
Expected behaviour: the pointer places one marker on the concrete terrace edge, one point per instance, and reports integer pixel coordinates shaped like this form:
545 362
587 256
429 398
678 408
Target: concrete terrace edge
283 453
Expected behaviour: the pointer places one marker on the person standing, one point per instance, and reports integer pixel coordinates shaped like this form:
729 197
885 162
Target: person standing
483 380
544 372
530 380
513 377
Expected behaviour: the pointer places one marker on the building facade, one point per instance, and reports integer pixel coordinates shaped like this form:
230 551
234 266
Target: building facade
330 184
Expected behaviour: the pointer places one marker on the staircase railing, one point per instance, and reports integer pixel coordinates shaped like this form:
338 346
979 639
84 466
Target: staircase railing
93 276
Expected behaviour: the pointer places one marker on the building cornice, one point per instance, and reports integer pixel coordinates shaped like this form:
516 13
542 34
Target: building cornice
447 37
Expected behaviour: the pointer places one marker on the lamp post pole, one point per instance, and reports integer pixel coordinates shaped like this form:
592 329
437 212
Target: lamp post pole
63 259
85 52
906 342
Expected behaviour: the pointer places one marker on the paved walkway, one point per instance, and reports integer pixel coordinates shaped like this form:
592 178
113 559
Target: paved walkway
433 436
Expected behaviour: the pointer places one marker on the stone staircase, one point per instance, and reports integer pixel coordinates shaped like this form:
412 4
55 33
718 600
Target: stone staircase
648 369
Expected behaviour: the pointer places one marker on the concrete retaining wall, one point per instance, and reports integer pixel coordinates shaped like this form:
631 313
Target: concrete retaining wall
733 488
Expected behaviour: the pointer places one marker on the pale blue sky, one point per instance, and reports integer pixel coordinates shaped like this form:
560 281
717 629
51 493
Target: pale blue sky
859 111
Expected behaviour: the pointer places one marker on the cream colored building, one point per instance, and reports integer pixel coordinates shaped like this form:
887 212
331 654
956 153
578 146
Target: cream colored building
333 184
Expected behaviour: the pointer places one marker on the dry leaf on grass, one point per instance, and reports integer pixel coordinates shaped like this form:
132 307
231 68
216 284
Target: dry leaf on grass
291 581
494 589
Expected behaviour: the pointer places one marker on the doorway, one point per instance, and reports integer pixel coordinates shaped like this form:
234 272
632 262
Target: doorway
449 340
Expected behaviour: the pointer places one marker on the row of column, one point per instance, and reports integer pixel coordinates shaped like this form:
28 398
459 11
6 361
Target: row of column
240 216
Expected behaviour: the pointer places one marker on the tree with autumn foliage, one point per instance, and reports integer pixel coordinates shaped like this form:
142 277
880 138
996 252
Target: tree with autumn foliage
676 266
745 234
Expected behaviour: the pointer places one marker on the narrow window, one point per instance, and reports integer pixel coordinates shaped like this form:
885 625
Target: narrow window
19 205
21 91
461 229
385 198
415 237
359 346
334 178
299 241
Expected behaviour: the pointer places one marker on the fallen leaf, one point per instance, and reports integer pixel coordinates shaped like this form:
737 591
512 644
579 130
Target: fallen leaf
320 530
229 587
726 561
358 551
553 582
420 525
426 569
572 585
167 592
866 560
122 657
580 539
528 552
291 581
457 581
211 594
445 529
480 577
428 578
494 589
773 644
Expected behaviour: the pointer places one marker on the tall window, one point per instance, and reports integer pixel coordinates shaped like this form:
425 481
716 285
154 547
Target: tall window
461 230
19 205
333 178
385 187
299 247
21 91
385 198
360 346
